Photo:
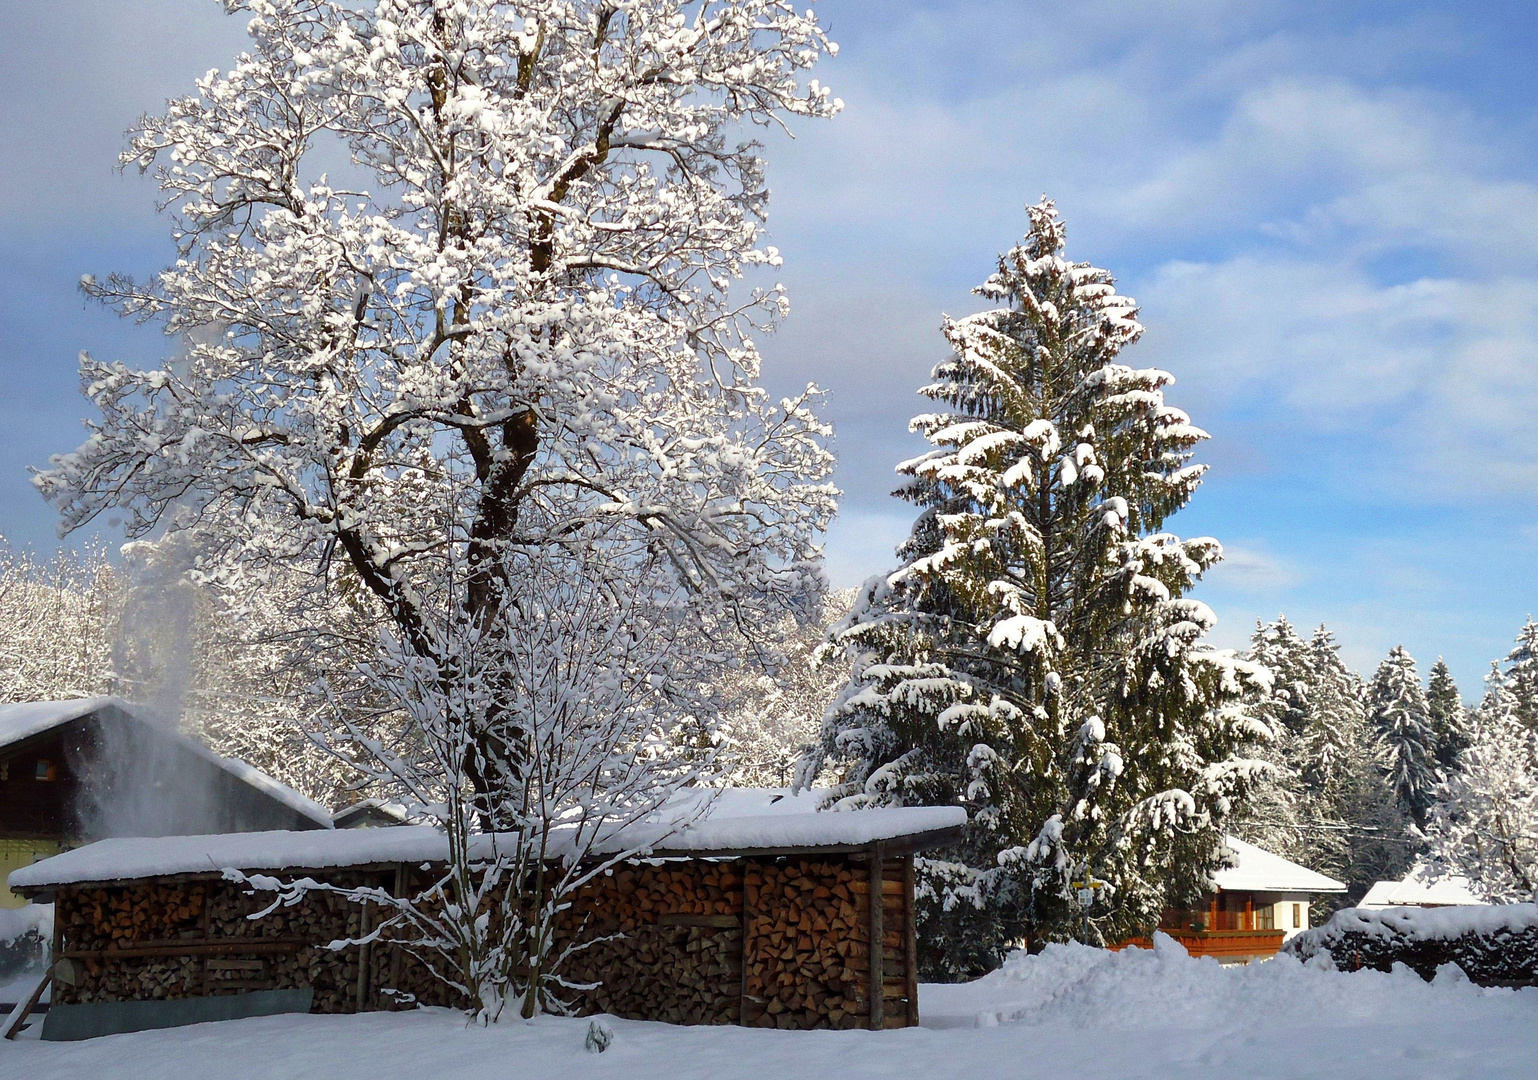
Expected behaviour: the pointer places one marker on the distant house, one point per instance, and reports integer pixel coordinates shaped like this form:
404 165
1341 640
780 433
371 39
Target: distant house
74 771
1417 891
1260 902
370 814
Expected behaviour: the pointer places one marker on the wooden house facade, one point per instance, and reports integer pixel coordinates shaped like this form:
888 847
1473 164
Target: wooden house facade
1261 901
52 769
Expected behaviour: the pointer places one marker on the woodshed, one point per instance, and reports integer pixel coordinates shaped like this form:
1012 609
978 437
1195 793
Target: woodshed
764 919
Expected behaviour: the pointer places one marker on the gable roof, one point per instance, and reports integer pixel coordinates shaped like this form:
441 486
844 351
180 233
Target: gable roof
29 719
1258 870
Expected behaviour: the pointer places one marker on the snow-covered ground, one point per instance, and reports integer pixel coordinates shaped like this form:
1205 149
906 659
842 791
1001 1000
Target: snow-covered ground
1071 1012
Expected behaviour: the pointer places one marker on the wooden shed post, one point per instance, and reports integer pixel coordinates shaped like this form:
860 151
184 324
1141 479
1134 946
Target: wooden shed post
877 932
912 941
748 917
401 884
363 955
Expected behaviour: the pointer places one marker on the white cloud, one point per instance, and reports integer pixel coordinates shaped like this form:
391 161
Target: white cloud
1434 381
1251 568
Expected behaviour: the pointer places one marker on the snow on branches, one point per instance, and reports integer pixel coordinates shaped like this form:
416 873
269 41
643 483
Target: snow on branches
1034 655
459 292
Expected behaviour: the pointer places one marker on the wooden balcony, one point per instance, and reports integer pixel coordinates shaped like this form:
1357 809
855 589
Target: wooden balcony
1223 944
1230 934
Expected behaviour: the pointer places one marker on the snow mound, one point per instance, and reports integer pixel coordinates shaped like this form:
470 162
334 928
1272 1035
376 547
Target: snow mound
1166 988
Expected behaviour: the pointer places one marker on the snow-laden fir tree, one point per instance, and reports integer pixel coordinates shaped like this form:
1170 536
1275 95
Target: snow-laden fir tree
455 291
1449 718
1034 658
1402 719
1520 678
1328 804
1275 813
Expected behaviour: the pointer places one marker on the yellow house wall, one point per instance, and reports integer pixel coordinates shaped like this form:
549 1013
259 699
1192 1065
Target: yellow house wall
18 853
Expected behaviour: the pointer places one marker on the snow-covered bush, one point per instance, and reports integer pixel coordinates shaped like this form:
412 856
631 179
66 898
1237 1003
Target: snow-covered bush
1494 946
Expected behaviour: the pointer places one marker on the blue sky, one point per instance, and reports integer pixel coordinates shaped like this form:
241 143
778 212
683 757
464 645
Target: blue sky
1329 213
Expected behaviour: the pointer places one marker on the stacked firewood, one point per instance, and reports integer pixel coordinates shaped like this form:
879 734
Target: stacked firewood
189 939
663 942
808 959
117 917
773 943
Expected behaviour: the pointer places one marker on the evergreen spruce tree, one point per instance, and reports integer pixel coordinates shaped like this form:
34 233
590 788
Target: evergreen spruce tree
1274 816
1449 719
1034 657
1402 718
1520 678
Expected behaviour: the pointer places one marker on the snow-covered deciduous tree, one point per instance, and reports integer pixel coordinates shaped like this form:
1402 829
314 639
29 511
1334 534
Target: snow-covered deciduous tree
1034 657
769 718
1449 718
567 707
456 290
1402 718
1486 826
58 620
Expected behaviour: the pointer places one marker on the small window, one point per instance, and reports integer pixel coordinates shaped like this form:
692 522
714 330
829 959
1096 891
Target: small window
47 770
1297 916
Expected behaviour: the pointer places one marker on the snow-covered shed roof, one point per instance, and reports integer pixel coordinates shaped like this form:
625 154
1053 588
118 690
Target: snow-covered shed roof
1258 870
723 830
1417 890
28 719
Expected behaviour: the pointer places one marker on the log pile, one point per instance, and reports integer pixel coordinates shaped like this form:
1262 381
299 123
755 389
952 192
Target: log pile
775 942
194 938
666 943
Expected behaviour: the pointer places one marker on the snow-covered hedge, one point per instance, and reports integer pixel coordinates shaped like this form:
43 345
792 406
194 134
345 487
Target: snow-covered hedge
24 937
1494 945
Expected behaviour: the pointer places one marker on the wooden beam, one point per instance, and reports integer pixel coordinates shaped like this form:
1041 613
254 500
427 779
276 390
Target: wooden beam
217 947
19 1017
910 923
877 932
742 1001
399 891
363 955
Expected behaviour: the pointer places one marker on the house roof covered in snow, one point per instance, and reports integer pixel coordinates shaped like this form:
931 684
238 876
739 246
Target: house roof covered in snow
742 824
28 719
1418 890
1258 870
25 719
